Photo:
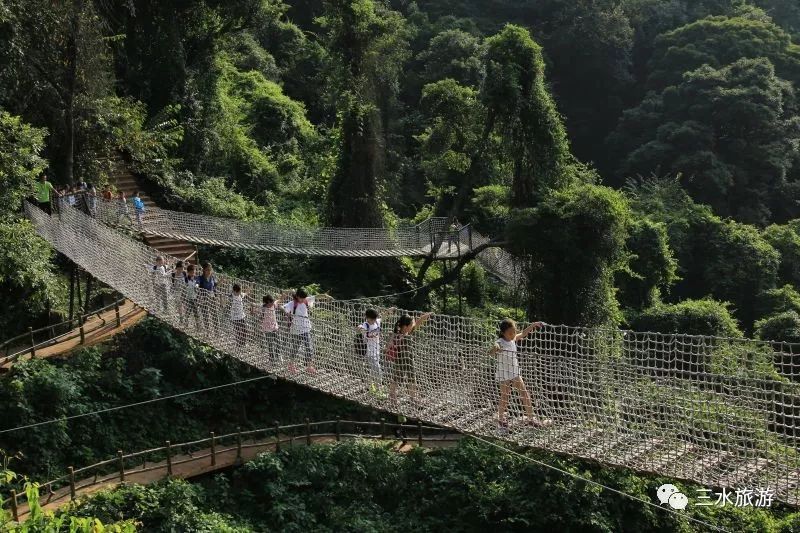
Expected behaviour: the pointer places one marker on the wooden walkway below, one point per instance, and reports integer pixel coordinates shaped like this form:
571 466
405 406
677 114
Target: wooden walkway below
204 461
98 328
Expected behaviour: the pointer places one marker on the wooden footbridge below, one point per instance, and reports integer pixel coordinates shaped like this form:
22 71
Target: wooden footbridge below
215 453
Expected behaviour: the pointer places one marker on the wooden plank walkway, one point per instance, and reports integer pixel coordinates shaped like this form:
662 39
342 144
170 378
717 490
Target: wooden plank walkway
99 328
199 463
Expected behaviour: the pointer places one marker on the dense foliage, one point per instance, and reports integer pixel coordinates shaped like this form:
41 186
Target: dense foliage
147 362
366 487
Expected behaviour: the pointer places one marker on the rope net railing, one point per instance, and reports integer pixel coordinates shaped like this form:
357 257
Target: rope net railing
717 411
433 236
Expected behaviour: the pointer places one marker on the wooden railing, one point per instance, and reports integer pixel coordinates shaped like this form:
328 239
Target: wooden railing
211 449
25 343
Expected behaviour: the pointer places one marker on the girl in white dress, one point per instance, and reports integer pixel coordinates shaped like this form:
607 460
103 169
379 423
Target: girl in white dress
508 374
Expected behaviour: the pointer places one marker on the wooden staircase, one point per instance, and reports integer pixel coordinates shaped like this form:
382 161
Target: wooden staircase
124 180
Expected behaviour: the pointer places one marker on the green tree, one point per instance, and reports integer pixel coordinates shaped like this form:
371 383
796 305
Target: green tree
62 55
783 326
691 317
778 300
652 269
368 46
453 54
451 140
28 285
520 106
786 240
20 162
574 243
718 42
728 261
731 132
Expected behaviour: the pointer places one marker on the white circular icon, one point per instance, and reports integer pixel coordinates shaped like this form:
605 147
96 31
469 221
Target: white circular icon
665 491
678 501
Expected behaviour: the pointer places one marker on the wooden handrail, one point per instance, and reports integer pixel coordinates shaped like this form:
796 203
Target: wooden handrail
273 438
56 339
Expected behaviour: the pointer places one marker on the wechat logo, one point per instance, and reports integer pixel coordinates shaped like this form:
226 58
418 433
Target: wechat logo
669 494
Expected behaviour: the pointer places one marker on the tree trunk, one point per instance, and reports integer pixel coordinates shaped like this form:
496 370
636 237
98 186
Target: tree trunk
71 89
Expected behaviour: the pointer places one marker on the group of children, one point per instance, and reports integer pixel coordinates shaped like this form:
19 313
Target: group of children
193 296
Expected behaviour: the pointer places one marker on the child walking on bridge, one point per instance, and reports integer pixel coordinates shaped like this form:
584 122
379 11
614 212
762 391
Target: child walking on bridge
508 373
400 356
371 330
300 328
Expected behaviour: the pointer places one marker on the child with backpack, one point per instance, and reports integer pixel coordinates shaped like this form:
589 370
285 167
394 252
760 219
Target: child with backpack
297 310
508 373
400 357
138 206
370 332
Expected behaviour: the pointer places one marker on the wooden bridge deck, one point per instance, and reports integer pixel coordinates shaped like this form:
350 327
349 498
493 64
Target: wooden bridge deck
99 328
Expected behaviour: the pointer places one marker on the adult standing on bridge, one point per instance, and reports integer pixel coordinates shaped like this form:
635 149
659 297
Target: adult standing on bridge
44 191
207 298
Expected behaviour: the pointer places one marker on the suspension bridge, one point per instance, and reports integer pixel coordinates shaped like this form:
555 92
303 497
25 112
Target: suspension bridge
720 412
434 237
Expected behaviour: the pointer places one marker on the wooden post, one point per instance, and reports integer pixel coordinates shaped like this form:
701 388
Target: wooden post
14 511
121 465
291 438
338 429
78 290
83 333
33 343
238 443
419 433
87 302
213 449
71 483
308 432
116 312
71 294
383 428
277 436
169 458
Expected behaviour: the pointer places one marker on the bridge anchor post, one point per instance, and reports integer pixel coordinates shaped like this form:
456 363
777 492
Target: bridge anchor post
238 444
121 465
14 511
338 429
33 343
169 458
213 449
383 428
71 483
419 433
308 433
116 312
277 436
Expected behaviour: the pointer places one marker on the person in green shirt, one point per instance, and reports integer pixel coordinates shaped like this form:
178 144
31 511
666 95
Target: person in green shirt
43 191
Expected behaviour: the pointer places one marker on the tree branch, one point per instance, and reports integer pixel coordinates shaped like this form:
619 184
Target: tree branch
424 291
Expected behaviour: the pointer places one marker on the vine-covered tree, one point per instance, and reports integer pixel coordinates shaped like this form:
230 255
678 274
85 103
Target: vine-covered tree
368 46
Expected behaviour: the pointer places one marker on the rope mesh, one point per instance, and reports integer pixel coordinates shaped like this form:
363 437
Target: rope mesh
433 235
717 411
